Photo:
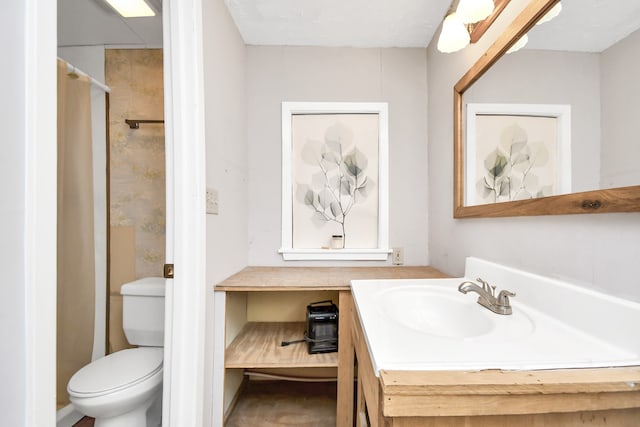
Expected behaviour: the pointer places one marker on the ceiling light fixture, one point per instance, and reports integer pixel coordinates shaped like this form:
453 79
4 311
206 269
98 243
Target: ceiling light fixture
132 8
471 16
454 35
470 11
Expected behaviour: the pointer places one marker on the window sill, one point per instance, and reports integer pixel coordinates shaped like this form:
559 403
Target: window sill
290 254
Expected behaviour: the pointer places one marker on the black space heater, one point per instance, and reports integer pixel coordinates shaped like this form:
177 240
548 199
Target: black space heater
322 327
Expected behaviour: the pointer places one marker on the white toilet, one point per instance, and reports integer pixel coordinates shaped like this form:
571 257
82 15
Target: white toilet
124 389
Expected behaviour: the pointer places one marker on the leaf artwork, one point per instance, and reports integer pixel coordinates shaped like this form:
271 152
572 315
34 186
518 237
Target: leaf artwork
509 168
340 181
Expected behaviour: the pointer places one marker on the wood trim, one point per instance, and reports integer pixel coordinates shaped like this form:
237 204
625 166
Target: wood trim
625 417
108 224
486 398
495 392
483 405
513 382
368 383
625 199
481 27
520 26
346 360
458 153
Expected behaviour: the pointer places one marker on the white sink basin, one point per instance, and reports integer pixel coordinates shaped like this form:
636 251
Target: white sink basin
435 310
427 324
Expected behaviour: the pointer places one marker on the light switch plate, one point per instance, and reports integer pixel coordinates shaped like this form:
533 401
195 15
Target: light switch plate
212 201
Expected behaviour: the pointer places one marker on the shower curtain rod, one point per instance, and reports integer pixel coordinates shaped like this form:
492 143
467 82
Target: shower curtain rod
72 69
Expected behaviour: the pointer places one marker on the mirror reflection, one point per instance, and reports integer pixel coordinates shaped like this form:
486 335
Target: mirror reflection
585 61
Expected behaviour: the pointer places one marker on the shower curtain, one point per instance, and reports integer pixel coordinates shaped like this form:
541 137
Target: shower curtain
76 276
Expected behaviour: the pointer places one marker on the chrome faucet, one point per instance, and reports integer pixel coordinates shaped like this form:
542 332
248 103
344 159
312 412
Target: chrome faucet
487 296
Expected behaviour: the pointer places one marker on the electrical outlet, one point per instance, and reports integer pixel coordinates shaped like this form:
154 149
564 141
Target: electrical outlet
212 201
398 256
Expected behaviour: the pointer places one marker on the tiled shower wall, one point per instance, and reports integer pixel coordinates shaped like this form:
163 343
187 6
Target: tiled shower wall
137 173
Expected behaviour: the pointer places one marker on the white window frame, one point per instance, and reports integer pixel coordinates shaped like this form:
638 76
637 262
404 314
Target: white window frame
561 112
382 251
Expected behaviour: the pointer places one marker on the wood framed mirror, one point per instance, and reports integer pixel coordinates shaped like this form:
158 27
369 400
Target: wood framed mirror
577 200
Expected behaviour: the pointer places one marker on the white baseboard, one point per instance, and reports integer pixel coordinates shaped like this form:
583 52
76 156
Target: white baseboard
67 416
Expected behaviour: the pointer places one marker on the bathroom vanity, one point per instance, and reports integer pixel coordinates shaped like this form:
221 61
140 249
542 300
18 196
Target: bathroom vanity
419 385
558 361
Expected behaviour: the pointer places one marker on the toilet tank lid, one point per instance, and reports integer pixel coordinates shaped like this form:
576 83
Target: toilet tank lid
149 286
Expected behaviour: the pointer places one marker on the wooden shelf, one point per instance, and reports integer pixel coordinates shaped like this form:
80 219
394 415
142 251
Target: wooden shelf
258 346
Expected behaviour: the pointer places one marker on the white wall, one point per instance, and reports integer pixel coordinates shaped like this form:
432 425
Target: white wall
620 111
226 136
12 211
396 76
599 251
226 172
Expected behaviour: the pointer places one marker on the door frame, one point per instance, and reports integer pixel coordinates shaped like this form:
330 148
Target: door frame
185 215
184 365
40 211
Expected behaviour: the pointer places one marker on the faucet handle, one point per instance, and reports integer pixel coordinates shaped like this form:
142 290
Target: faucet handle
487 287
503 297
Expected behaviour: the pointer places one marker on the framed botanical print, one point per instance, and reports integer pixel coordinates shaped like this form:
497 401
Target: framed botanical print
334 181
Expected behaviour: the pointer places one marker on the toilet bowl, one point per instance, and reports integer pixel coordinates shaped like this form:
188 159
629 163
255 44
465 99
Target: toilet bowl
123 389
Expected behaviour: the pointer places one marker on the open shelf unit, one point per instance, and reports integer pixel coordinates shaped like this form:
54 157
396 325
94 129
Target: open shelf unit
260 305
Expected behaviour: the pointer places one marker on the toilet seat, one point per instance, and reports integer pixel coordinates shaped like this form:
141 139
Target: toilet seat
116 371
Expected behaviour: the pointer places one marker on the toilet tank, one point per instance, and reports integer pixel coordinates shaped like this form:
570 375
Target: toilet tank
143 311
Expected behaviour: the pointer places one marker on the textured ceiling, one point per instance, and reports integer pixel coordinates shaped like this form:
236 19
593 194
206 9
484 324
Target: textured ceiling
587 25
583 25
358 23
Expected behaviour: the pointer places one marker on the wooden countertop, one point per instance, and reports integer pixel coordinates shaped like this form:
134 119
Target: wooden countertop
309 278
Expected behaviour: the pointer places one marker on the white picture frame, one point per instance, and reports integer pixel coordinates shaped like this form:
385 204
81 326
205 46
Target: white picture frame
320 139
548 125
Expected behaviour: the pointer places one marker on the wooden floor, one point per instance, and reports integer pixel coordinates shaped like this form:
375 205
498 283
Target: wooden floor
285 403
85 422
